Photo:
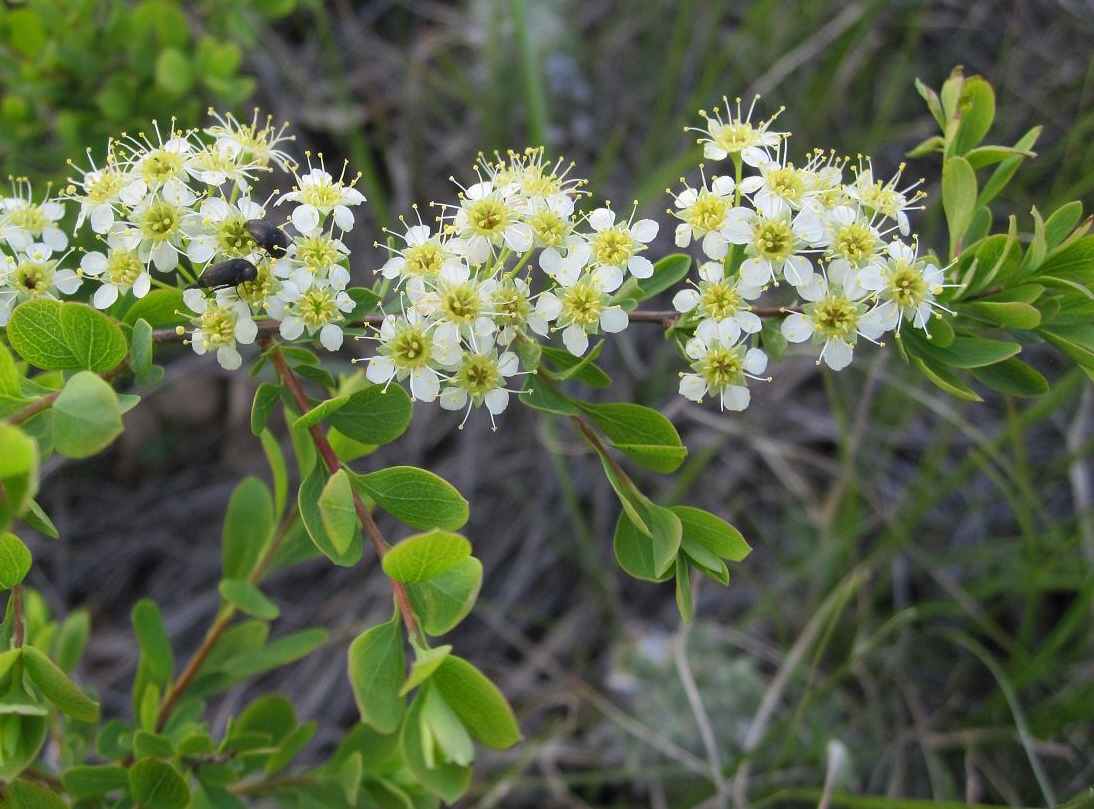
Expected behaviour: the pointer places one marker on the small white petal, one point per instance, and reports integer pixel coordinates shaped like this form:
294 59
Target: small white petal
229 358
837 354
644 230
105 296
640 267
797 328
575 339
614 320
496 400
453 399
602 219
305 218
692 386
424 384
736 397
330 336
686 299
755 361
292 327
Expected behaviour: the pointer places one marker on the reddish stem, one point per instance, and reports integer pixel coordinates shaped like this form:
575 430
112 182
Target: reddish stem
333 464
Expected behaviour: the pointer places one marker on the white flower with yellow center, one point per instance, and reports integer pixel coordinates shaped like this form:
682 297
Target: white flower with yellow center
582 306
219 327
119 269
219 230
425 254
24 223
456 298
905 286
319 308
158 226
101 191
833 320
775 241
409 349
721 369
480 379
158 165
884 198
703 214
490 217
315 258
319 194
779 186
33 273
736 135
720 300
613 245
257 143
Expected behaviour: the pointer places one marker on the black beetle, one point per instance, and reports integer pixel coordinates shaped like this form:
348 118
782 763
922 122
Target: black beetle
269 237
225 274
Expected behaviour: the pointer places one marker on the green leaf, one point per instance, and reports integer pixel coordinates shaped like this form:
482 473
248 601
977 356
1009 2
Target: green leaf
958 198
338 512
648 557
248 526
9 376
1005 170
640 432
160 307
446 781
25 795
15 561
973 352
89 781
424 556
685 602
280 474
18 472
1013 314
72 639
426 662
57 688
155 647
941 376
1014 377
140 349
320 412
540 394
478 703
415 496
583 369
155 784
152 745
35 332
289 748
450 737
704 559
27 32
365 302
311 489
374 415
977 107
712 532
443 601
248 598
266 398
933 103
377 669
174 73
96 341
86 416
1062 223
280 652
667 273
1074 263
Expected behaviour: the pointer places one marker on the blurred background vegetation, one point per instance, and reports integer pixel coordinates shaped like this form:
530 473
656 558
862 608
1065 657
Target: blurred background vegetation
921 589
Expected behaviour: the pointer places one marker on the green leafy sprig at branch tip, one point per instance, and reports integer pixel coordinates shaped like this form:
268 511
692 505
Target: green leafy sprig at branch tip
509 294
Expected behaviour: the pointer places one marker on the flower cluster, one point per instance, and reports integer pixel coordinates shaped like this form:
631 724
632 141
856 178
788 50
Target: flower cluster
176 209
827 229
511 261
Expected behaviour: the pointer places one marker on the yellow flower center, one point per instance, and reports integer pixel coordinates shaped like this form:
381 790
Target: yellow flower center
773 239
722 367
461 303
836 317
719 300
583 304
613 246
478 375
123 268
708 212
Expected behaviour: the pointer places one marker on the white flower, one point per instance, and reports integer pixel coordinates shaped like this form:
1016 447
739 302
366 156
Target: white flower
774 243
703 212
454 297
319 194
480 380
104 191
33 273
257 143
618 246
833 321
219 327
315 258
884 198
905 286
778 187
737 136
165 163
410 350
721 301
319 309
491 217
219 230
158 225
584 307
721 369
24 223
119 269
425 254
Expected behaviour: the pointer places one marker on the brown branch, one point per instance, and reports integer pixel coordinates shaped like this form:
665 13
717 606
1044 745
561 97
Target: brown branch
379 544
